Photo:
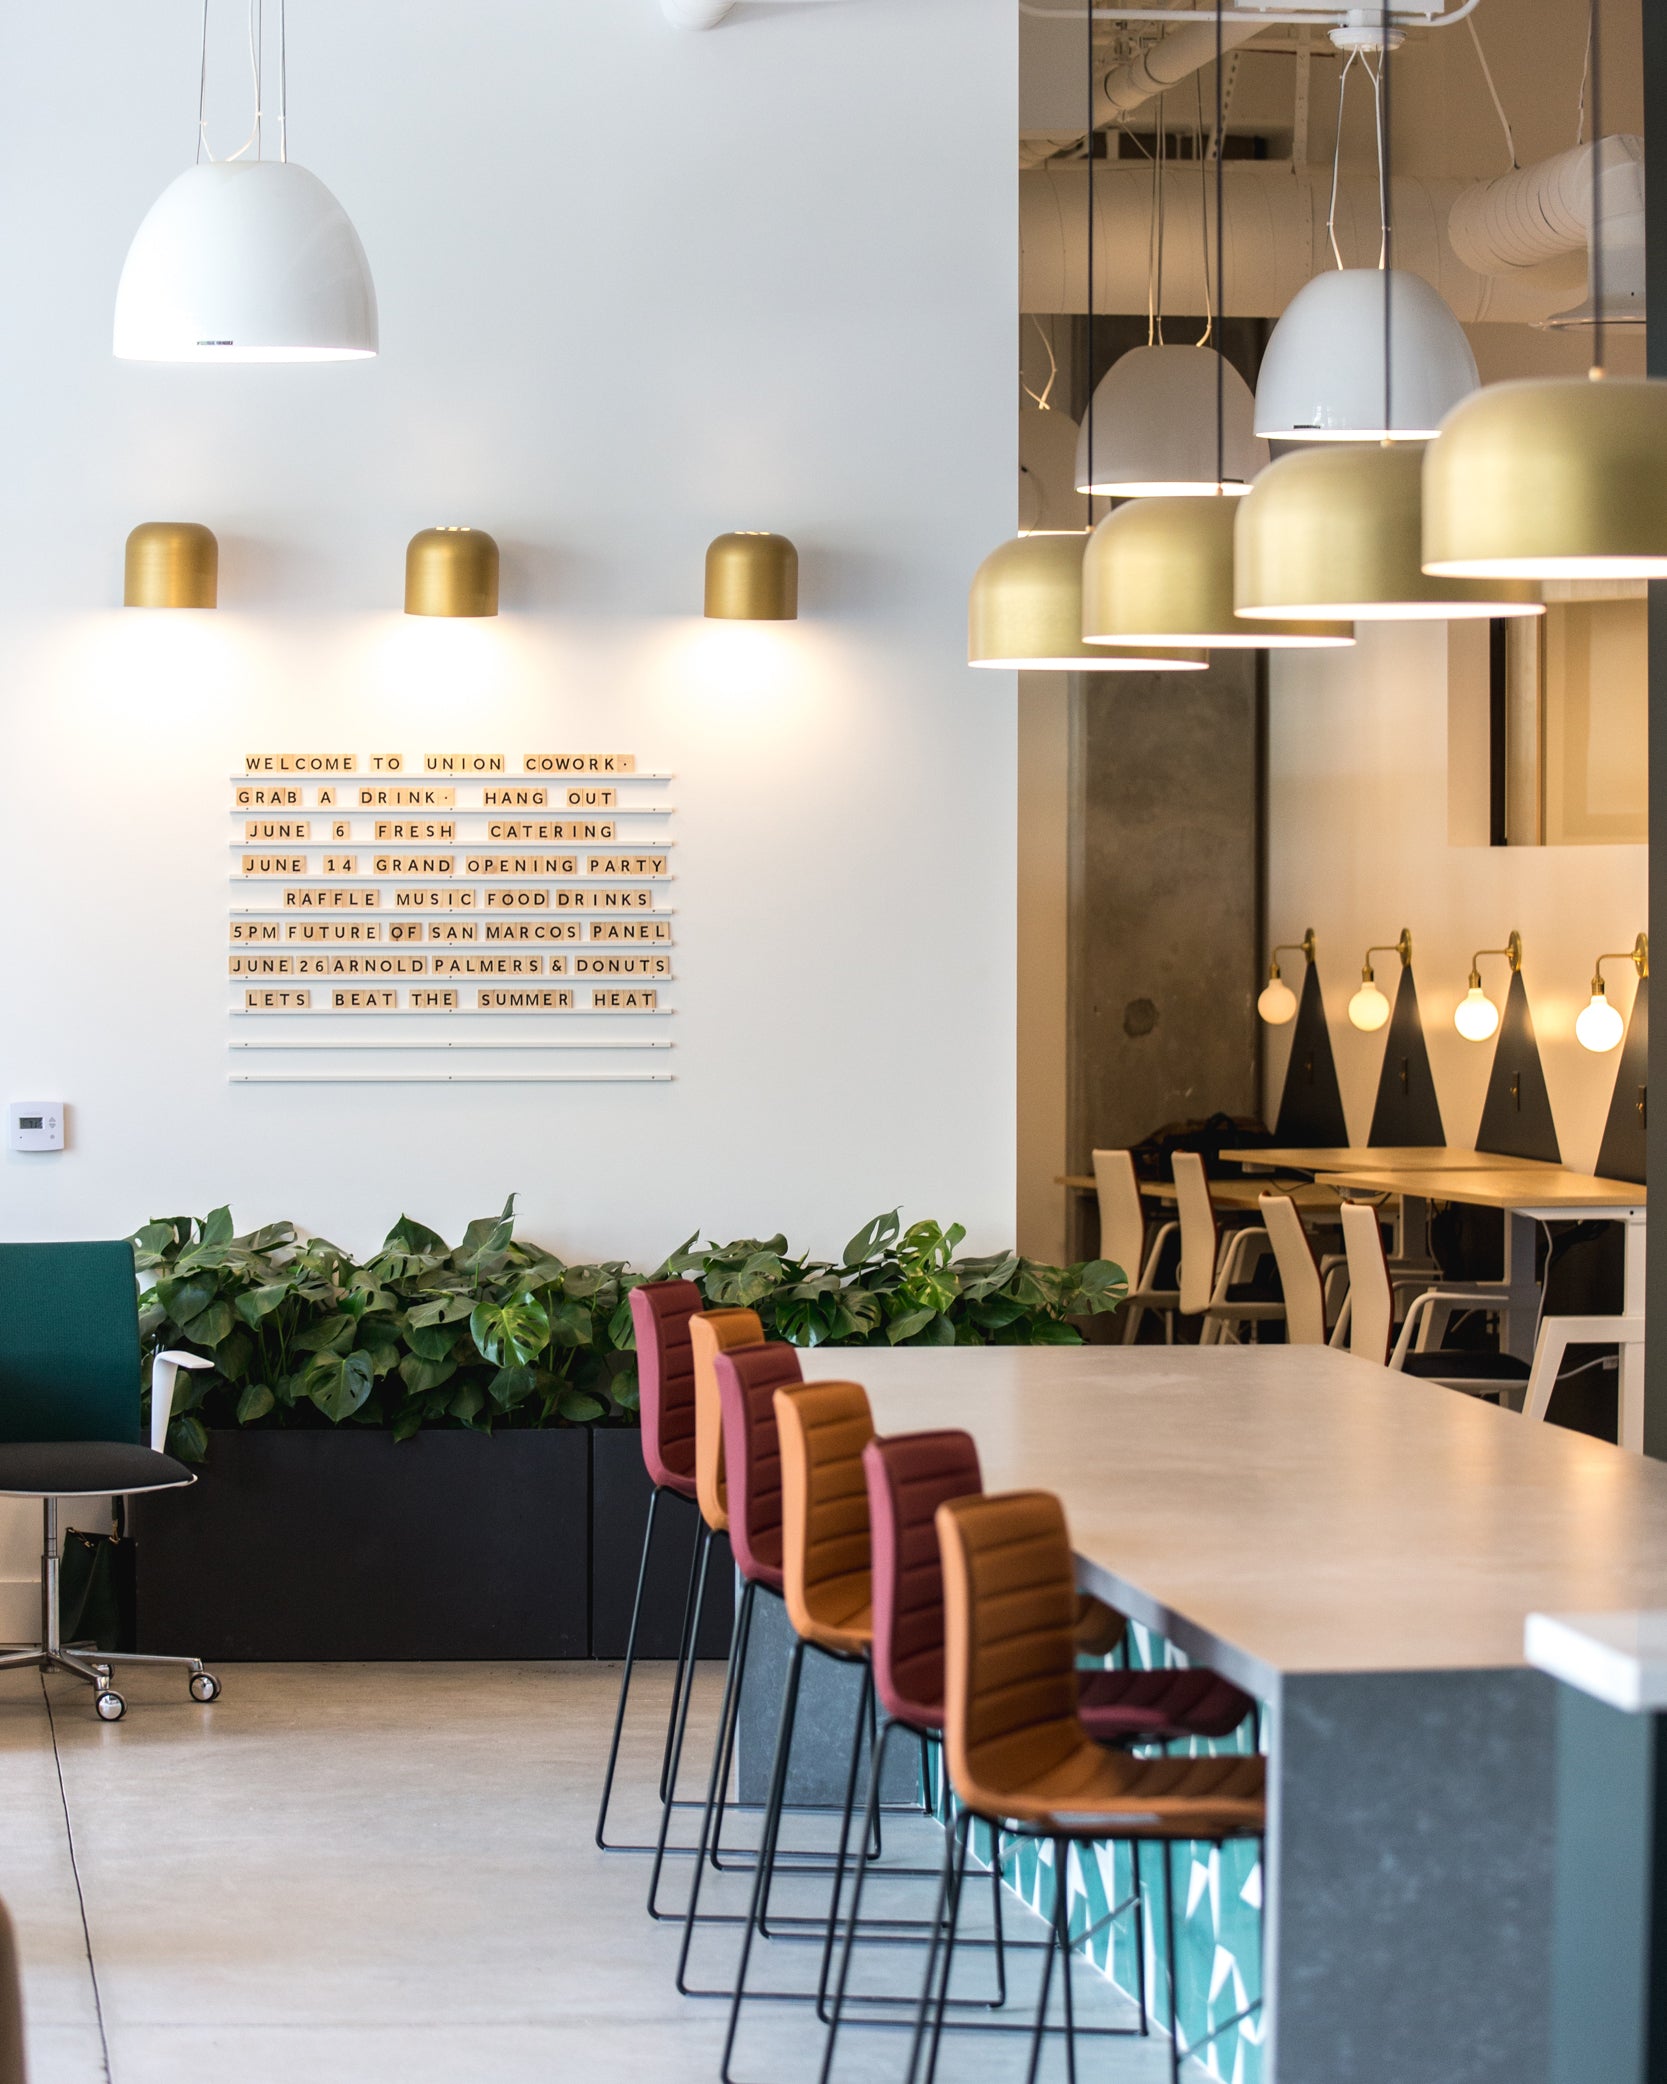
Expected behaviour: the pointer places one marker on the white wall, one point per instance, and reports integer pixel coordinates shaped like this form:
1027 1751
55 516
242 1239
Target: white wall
637 286
1358 847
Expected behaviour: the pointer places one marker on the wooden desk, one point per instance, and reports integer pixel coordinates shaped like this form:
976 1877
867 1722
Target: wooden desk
1364 1551
1229 1195
1345 1158
1542 1194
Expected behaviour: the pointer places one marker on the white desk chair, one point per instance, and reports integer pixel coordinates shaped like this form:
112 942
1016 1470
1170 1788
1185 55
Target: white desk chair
1301 1275
1213 1273
1123 1241
1372 1318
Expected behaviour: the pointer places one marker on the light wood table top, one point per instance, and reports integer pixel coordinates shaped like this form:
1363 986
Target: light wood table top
1548 1187
1290 1509
1233 1195
1428 1157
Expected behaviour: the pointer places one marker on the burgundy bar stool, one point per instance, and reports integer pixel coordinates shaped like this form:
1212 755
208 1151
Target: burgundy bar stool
660 1313
909 1476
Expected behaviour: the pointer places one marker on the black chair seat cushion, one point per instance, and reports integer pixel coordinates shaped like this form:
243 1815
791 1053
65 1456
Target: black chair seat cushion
85 1468
1459 1366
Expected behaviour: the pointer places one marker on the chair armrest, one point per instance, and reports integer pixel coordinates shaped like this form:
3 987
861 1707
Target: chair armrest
1429 1297
163 1371
1148 1274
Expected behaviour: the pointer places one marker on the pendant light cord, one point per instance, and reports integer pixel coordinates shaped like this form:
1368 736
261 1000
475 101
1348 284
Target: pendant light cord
1088 32
1204 206
1337 156
1386 262
1221 261
1594 48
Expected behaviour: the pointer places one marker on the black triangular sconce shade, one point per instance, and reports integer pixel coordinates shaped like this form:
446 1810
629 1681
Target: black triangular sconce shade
1516 1117
1311 1106
1622 1155
1407 1111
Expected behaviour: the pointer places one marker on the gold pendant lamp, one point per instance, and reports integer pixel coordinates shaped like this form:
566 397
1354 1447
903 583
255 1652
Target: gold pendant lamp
1339 532
1160 571
1025 611
752 576
1557 479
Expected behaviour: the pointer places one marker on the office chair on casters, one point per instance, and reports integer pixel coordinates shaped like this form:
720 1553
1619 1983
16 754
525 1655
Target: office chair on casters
70 1420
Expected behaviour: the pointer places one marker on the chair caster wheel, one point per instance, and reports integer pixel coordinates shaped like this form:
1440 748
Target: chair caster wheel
204 1686
111 1707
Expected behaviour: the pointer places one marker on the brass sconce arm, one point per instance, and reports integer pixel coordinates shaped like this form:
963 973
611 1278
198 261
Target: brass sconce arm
1638 955
1402 948
1512 951
1305 946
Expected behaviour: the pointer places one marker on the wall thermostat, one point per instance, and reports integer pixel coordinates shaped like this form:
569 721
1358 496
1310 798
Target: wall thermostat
37 1125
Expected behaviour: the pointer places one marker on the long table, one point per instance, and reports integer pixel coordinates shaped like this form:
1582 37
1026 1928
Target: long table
1361 1550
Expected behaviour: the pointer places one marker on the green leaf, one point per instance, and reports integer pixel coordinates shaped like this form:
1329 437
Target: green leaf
419 1374
871 1238
332 1334
513 1333
186 1298
466 1405
188 1439
254 1403
254 1304
408 1423
439 1309
431 1341
1048 1331
909 1324
512 1386
338 1384
409 1237
212 1325
217 1227
578 1408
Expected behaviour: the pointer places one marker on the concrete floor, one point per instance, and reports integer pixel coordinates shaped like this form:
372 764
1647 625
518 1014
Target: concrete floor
385 1872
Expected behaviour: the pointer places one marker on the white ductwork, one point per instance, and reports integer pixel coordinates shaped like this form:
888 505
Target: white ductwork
1538 213
1275 241
1176 56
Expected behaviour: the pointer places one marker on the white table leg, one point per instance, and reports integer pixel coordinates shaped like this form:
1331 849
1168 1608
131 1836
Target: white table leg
1631 1421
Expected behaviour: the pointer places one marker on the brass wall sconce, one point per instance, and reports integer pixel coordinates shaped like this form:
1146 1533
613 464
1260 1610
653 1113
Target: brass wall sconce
1278 1002
752 576
1599 1026
1476 1016
451 571
171 564
1369 1009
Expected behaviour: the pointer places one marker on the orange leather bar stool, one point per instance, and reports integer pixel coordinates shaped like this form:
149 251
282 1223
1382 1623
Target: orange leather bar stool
711 1332
1019 1757
822 1430
661 1313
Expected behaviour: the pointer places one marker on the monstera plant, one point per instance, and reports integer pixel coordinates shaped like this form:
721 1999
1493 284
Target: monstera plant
496 1332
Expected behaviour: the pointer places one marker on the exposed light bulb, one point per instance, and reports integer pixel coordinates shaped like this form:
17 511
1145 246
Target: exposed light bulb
1476 1016
1278 1002
1368 1009
1599 1027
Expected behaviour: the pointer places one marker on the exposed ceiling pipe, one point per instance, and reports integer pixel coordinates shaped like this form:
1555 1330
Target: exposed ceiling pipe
1275 241
1173 58
1536 213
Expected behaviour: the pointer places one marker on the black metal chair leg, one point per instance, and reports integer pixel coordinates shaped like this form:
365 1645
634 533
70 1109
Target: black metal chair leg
964 1833
625 1684
692 1600
940 1913
860 1876
721 1749
766 1847
1139 1939
1174 1965
1041 2028
865 1727
681 1725
1062 1925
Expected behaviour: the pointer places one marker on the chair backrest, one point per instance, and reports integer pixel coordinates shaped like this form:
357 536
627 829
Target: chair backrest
1010 1603
824 1428
13 2069
909 1476
69 1343
1198 1232
1371 1298
660 1312
1299 1272
711 1333
747 1383
1122 1218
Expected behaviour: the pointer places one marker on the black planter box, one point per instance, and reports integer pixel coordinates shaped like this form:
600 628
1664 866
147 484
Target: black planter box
323 1547
620 1491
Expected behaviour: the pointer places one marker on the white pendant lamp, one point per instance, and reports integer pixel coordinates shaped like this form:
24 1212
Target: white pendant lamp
1322 377
1151 429
246 260
1339 532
